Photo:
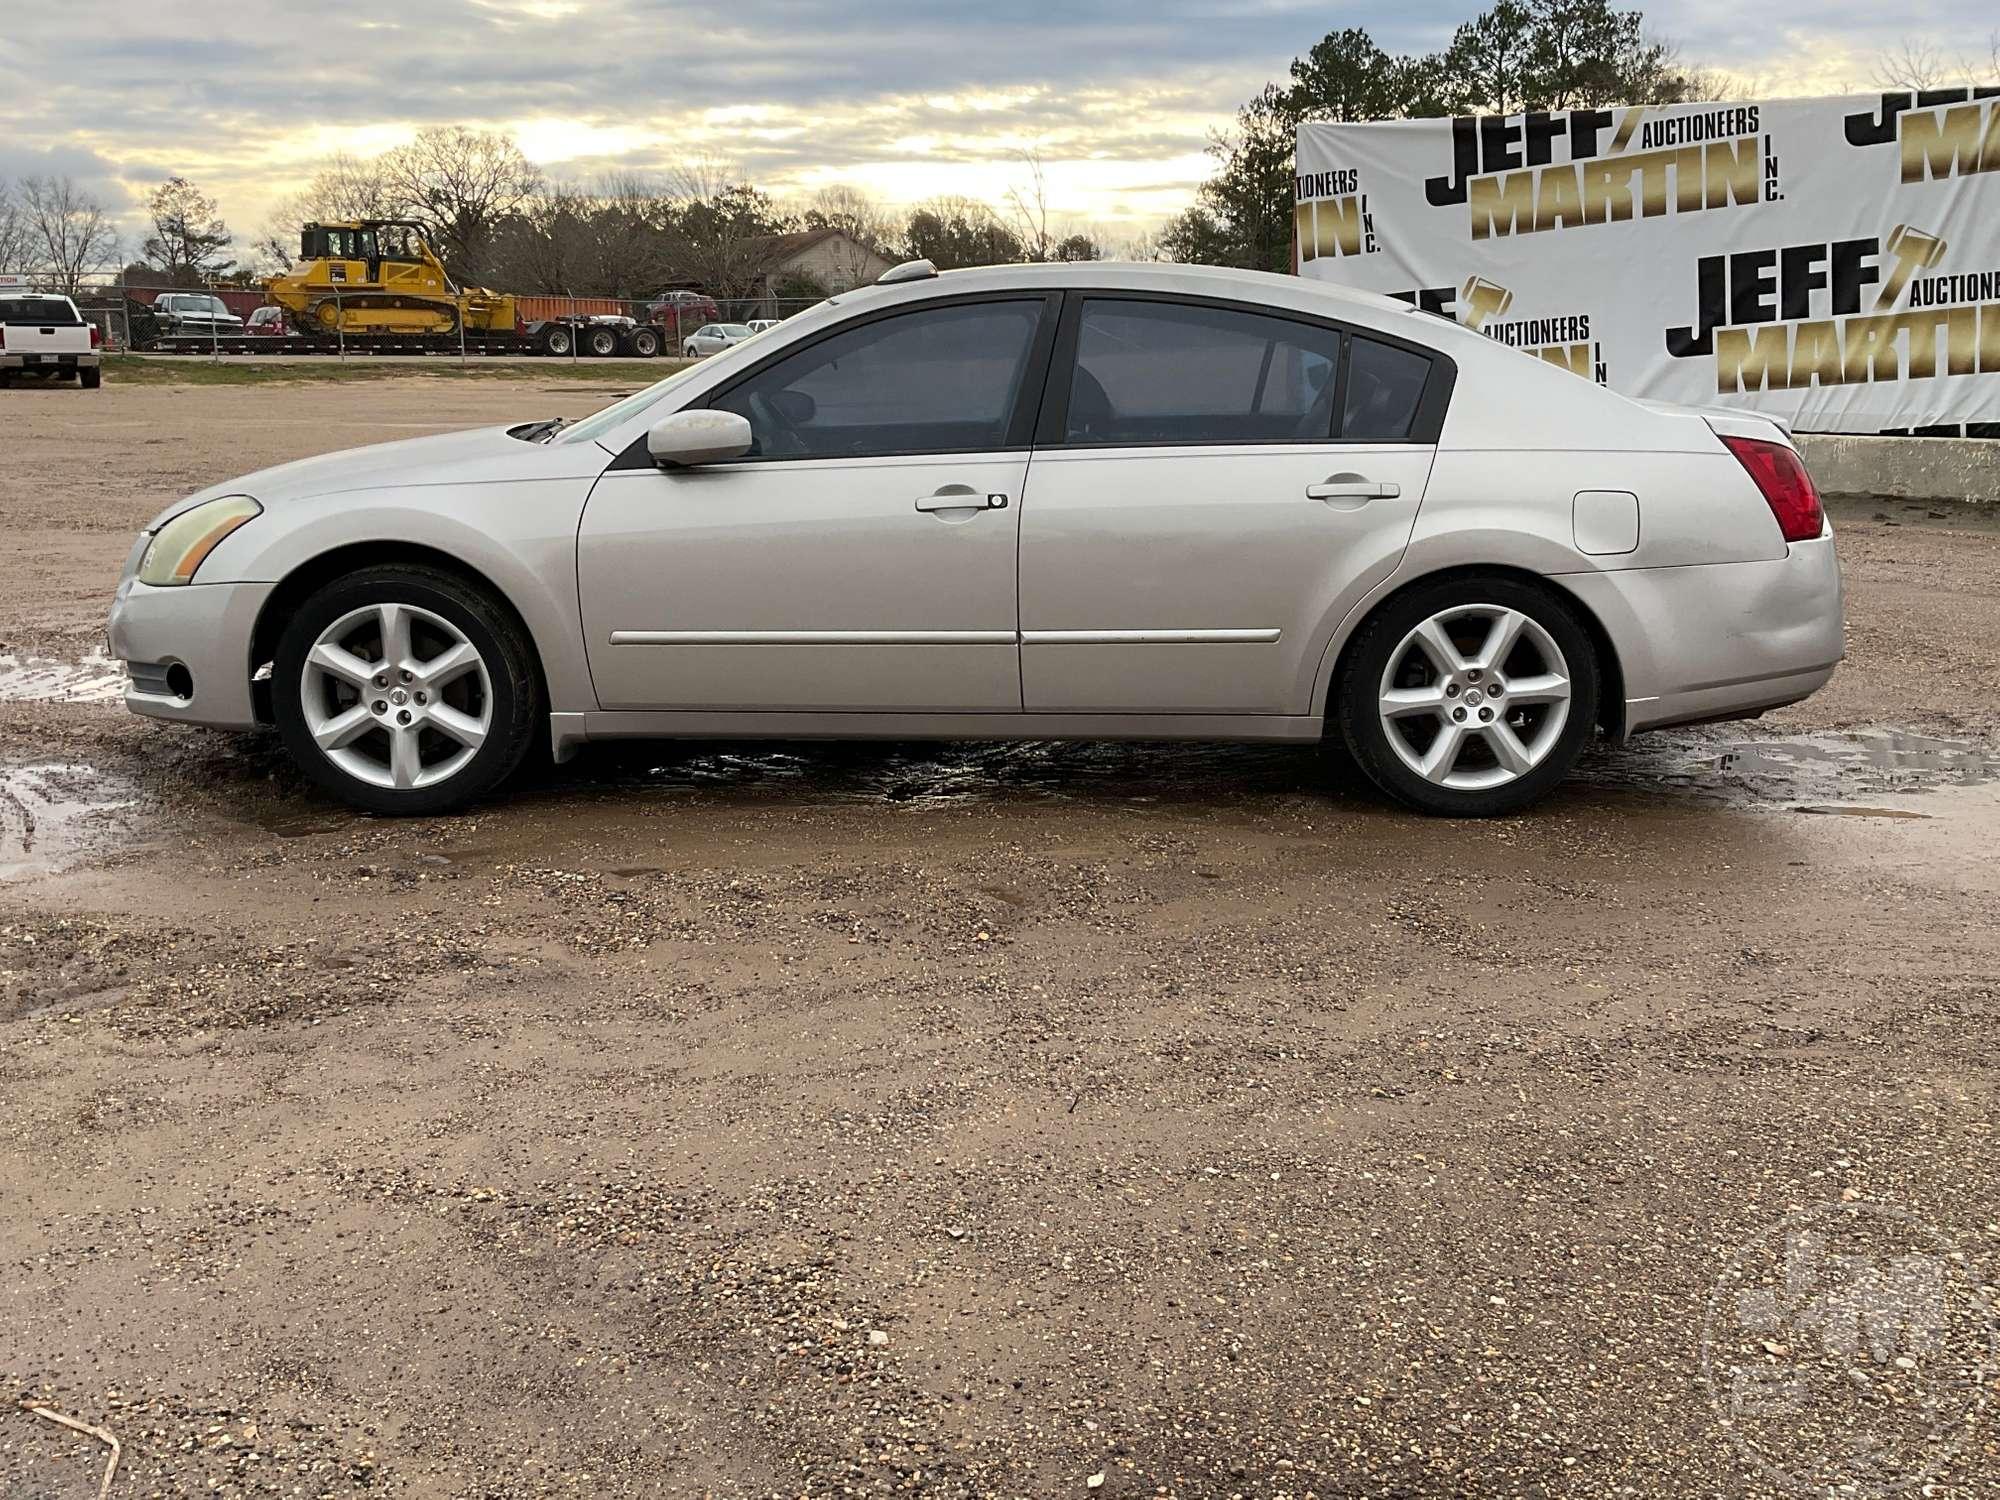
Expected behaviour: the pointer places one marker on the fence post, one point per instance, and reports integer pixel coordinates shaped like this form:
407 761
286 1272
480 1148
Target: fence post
339 325
461 336
125 311
575 330
214 328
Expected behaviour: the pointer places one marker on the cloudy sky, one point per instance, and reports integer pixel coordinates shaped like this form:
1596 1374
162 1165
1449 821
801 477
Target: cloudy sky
907 98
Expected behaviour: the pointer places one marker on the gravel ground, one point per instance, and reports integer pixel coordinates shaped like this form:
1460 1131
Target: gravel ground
979 1120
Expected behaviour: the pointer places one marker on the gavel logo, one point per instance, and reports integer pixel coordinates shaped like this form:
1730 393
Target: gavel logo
1484 299
1914 251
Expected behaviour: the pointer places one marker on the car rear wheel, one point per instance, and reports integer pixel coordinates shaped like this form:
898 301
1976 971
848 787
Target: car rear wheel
405 690
1469 697
90 378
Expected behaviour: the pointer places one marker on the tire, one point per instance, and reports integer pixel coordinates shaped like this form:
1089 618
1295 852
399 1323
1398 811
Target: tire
499 695
688 351
600 343
557 340
1434 648
90 378
643 343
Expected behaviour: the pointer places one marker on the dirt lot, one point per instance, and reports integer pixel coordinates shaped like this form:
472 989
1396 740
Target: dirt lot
975 1120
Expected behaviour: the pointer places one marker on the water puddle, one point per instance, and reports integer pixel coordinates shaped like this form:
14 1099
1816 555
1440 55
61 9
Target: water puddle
1827 772
31 679
1812 773
52 815
922 774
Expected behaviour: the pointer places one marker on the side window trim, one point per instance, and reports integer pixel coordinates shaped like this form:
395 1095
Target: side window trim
1053 426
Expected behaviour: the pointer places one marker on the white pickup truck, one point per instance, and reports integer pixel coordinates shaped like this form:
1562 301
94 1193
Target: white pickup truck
43 335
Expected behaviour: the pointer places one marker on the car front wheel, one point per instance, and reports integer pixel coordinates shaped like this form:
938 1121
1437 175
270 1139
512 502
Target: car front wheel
405 690
1471 696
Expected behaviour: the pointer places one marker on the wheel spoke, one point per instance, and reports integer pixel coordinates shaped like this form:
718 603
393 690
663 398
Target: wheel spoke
1549 687
404 761
448 666
1500 640
1438 647
462 727
1507 747
344 728
1400 703
395 621
339 662
1442 756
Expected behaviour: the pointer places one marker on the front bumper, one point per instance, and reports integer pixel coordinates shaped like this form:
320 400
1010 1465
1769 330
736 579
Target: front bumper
205 629
1721 640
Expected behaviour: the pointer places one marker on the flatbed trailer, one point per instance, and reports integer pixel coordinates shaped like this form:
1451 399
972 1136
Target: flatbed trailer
556 338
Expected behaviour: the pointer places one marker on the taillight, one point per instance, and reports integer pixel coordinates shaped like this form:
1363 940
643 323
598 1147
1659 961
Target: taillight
1786 486
96 337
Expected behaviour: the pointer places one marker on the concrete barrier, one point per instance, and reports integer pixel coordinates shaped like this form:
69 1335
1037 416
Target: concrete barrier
1961 469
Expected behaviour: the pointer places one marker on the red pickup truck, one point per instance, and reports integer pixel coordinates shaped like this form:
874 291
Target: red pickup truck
43 335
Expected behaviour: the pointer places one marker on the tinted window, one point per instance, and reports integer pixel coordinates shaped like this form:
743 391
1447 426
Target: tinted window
938 380
1385 386
1161 372
44 310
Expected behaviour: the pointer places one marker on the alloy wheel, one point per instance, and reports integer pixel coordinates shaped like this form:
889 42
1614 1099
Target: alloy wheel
396 696
1475 697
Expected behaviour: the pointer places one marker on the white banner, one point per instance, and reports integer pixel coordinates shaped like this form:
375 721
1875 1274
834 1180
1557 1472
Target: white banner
1835 262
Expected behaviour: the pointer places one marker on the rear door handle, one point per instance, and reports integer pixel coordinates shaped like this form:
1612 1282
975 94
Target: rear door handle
1352 487
961 497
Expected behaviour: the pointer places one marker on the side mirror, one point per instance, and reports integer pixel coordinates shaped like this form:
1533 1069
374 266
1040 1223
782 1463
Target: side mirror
687 438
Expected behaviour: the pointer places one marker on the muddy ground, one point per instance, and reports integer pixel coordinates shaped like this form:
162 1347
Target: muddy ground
973 1120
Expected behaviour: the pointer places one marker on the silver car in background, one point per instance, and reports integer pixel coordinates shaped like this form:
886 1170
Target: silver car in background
713 338
1085 500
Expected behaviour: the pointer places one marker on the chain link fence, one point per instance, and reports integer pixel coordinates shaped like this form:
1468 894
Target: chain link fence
223 320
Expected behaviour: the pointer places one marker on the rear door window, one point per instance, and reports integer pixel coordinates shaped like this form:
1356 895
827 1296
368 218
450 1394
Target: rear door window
1166 372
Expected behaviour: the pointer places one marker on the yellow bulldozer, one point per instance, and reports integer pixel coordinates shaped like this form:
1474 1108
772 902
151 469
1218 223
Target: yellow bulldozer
377 277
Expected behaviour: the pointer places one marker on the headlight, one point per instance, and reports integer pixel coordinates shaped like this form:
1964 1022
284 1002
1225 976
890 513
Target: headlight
178 547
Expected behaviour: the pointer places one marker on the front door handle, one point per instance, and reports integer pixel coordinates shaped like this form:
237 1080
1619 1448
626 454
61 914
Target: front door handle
1352 487
961 497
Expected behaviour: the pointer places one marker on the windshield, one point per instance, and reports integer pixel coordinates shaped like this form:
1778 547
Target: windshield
44 310
595 426
732 329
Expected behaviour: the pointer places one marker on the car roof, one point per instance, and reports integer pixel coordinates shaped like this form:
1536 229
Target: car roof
1226 282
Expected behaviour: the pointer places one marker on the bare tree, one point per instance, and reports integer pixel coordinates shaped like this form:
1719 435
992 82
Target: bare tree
71 236
1918 63
1028 211
16 233
347 188
700 177
1914 63
460 183
858 214
189 235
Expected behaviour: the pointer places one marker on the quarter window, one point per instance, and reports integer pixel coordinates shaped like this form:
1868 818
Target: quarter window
935 380
1385 387
1164 372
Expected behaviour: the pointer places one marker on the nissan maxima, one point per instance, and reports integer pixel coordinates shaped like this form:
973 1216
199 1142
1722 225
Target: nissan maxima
1059 501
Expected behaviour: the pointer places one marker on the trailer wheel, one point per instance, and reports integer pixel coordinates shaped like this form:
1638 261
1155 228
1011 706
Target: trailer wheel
600 343
644 343
558 340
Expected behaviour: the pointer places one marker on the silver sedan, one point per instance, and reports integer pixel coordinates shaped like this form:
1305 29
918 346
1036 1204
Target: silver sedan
1051 501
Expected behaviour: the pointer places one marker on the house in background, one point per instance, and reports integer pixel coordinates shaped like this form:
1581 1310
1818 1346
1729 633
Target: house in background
786 266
